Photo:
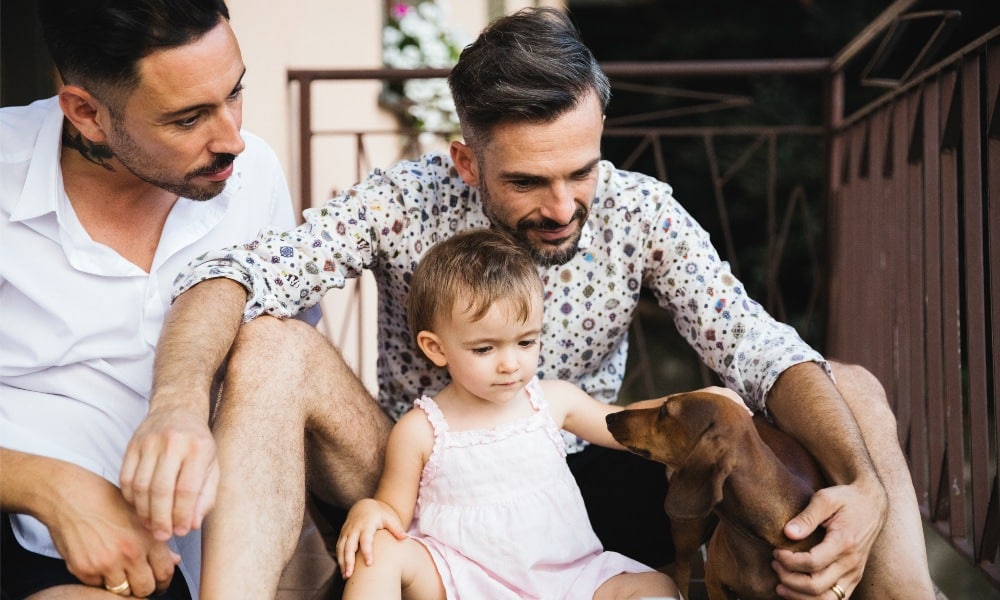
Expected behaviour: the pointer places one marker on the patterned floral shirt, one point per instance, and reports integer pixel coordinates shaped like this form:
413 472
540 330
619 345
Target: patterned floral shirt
637 236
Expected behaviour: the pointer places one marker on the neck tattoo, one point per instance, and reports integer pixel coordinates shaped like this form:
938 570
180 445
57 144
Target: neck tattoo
95 153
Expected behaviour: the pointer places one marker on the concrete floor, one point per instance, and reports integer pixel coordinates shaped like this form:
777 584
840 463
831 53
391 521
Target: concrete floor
311 568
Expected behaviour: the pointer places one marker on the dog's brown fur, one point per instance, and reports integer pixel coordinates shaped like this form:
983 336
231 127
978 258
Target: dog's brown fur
753 479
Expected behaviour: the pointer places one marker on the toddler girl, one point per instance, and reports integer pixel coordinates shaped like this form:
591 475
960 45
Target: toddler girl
476 500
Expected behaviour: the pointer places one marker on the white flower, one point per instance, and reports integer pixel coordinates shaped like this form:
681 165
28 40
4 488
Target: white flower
417 36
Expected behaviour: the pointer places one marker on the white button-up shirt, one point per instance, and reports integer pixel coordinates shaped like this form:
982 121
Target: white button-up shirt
79 323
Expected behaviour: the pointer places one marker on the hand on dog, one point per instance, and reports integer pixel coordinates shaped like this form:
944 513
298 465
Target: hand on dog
712 389
365 518
846 511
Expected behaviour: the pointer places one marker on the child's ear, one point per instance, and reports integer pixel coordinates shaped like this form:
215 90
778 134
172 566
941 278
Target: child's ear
431 346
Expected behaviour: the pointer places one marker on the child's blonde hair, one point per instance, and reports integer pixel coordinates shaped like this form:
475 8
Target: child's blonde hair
478 267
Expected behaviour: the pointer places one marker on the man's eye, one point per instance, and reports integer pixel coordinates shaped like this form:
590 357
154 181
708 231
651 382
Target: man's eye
237 91
527 343
481 350
188 122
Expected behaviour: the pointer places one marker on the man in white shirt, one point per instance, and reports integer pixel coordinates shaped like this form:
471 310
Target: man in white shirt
107 190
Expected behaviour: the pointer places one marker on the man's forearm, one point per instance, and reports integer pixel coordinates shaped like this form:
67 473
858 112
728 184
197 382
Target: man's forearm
29 483
196 337
805 403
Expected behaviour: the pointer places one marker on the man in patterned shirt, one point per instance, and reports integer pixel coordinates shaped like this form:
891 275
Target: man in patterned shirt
531 99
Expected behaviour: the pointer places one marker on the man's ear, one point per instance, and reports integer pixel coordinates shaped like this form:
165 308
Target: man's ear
465 162
431 346
85 112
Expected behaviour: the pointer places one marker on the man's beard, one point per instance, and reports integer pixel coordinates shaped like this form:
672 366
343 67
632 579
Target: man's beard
128 153
544 254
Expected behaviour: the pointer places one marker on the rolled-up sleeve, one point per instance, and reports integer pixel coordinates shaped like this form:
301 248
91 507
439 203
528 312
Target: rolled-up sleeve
286 272
733 334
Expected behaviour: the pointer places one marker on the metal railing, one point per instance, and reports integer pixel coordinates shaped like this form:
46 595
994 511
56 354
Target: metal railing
915 273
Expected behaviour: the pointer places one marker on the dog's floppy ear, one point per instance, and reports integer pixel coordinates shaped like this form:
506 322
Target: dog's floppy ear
696 487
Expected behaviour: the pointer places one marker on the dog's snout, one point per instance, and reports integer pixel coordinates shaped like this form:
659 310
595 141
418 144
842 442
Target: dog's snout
611 418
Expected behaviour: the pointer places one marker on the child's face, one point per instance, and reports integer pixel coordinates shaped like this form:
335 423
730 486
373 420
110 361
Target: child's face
492 359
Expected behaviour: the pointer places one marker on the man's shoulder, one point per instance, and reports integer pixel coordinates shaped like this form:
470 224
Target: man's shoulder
624 191
616 180
431 167
428 179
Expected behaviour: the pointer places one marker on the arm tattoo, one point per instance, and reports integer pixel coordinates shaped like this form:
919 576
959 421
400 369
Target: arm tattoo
95 153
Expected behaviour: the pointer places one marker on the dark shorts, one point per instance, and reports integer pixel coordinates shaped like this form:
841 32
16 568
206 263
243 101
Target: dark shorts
624 497
23 573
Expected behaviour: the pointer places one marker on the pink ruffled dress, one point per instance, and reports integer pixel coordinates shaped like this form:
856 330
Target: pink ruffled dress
502 516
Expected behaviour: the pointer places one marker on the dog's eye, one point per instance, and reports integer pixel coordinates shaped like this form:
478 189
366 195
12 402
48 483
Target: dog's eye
663 410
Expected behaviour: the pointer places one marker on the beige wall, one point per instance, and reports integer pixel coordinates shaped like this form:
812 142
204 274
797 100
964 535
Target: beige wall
289 34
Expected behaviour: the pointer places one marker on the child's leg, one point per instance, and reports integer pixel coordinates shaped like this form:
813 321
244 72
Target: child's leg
631 586
400 569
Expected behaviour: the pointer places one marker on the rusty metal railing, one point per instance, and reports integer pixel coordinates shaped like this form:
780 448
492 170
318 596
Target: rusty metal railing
915 276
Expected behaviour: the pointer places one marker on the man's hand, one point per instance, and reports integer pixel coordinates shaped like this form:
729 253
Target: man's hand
712 389
853 516
364 519
103 541
170 473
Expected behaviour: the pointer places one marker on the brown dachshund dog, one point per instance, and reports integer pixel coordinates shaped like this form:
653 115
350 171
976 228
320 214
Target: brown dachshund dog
722 463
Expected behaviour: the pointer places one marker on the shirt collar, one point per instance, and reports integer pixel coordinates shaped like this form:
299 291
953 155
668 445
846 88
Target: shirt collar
43 183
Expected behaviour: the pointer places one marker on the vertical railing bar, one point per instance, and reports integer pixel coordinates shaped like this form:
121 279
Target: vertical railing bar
933 253
975 295
992 158
951 315
902 253
916 344
305 140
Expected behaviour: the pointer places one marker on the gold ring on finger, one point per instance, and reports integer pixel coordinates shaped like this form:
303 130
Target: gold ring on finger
123 588
838 591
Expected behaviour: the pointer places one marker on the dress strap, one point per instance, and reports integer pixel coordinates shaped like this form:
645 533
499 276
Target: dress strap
535 395
440 427
541 405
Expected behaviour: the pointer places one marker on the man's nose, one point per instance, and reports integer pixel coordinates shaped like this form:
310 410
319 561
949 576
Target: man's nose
226 137
560 206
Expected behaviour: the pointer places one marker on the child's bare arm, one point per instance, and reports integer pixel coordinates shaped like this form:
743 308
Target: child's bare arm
395 499
579 413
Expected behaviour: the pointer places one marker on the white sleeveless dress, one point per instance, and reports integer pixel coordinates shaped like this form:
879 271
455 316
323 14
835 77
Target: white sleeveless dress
502 516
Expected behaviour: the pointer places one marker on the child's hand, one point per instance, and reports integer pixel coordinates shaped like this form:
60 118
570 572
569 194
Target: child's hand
364 519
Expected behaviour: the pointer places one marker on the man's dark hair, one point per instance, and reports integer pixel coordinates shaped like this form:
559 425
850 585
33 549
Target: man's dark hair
98 44
529 66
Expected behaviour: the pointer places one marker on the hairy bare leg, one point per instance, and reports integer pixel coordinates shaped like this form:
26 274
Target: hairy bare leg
898 561
284 383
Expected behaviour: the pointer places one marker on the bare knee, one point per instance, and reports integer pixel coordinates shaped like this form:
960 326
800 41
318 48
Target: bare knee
72 592
290 341
865 396
626 586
